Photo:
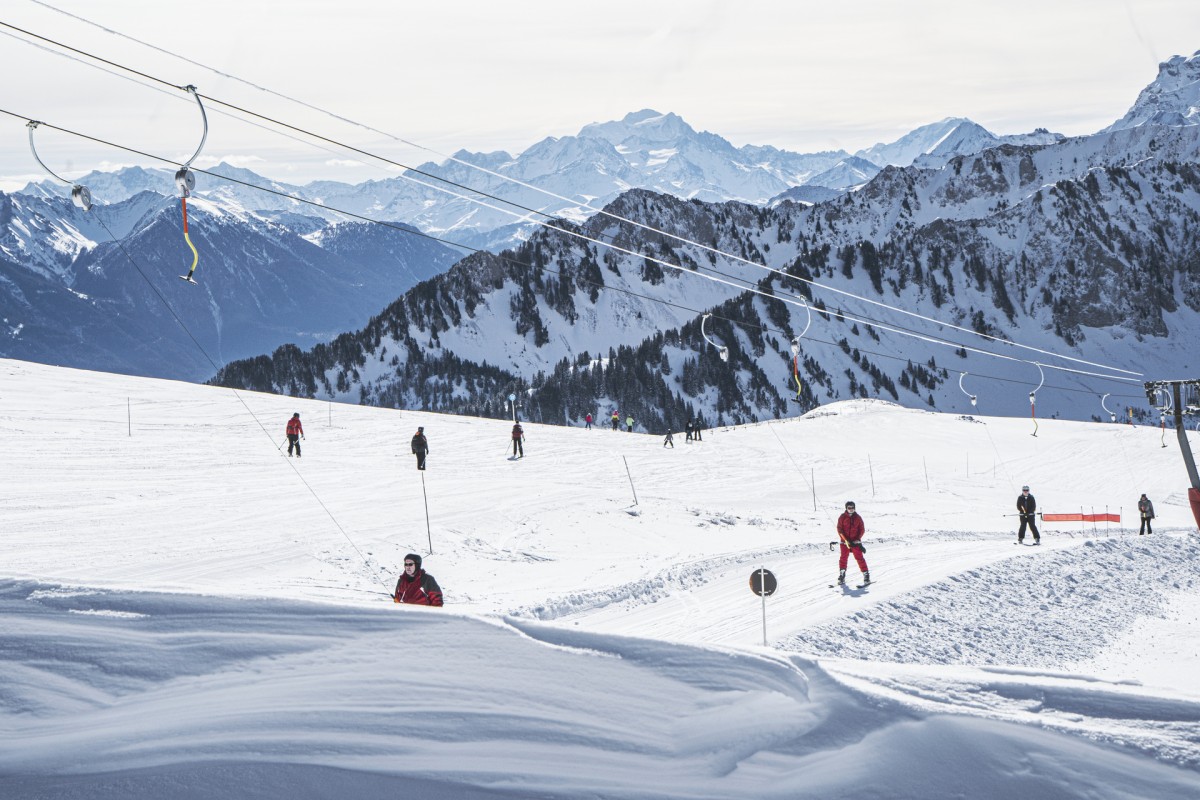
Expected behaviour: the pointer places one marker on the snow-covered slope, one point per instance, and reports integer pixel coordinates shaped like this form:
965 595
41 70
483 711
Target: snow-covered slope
188 611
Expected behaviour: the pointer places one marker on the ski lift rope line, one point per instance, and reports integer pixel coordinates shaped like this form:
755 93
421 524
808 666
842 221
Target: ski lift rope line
520 216
586 203
789 300
730 256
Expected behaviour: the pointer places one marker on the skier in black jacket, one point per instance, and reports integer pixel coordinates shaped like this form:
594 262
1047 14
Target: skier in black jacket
420 447
1026 508
1146 512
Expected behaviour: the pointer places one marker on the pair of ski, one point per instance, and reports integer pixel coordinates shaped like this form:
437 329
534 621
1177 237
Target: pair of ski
844 586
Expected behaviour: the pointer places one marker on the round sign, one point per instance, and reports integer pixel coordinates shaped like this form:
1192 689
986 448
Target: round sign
512 398
763 583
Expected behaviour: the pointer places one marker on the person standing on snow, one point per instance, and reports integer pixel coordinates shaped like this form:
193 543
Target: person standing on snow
1146 512
420 447
688 429
850 530
616 419
1026 508
417 586
670 440
518 436
295 430
588 420
698 428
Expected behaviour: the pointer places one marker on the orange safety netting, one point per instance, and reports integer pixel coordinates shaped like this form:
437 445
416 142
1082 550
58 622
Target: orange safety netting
1081 517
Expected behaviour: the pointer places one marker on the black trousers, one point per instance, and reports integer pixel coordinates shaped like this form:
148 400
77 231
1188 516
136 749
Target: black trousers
1028 519
421 458
293 441
1145 526
518 448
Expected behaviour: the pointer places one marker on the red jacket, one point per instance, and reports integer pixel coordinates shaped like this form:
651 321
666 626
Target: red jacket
850 527
294 428
421 589
518 432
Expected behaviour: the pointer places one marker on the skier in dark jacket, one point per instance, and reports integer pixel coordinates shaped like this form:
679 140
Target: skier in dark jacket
850 530
295 430
420 447
698 428
1146 512
1026 508
688 430
417 586
518 436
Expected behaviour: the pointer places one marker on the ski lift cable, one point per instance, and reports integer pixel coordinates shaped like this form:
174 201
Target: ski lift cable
744 283
172 92
586 203
731 256
842 315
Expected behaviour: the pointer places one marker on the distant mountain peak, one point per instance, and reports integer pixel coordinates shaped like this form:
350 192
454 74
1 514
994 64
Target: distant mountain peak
1173 98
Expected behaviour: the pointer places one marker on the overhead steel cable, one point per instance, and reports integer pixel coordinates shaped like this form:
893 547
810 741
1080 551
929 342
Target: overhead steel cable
409 230
474 191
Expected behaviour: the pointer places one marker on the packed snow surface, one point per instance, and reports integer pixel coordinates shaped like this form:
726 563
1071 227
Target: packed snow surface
187 612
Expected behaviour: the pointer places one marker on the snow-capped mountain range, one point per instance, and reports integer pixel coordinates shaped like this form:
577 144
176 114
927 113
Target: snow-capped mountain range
1080 245
1080 249
569 177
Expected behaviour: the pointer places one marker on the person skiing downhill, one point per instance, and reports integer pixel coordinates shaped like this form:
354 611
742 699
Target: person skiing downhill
629 424
850 530
616 420
588 420
1146 512
1026 508
416 586
670 440
518 436
420 447
295 430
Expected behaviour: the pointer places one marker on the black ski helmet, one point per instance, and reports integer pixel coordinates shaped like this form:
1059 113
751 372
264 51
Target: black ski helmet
413 557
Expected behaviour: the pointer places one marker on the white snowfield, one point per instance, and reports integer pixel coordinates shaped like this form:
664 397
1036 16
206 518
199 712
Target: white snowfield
185 612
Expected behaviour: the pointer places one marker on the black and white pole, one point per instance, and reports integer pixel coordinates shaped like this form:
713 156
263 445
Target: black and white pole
763 583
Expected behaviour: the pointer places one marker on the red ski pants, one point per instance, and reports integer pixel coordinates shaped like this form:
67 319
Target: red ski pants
858 556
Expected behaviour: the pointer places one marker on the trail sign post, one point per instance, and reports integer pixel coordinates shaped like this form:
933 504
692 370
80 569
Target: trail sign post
763 583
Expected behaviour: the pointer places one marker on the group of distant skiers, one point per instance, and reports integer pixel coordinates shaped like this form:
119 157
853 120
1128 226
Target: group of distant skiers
419 587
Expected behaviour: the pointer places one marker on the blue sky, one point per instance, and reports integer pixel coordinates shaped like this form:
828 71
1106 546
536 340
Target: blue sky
802 76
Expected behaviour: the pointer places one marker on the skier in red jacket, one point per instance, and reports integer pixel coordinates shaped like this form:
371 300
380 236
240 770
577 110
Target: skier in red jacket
850 530
417 586
294 431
